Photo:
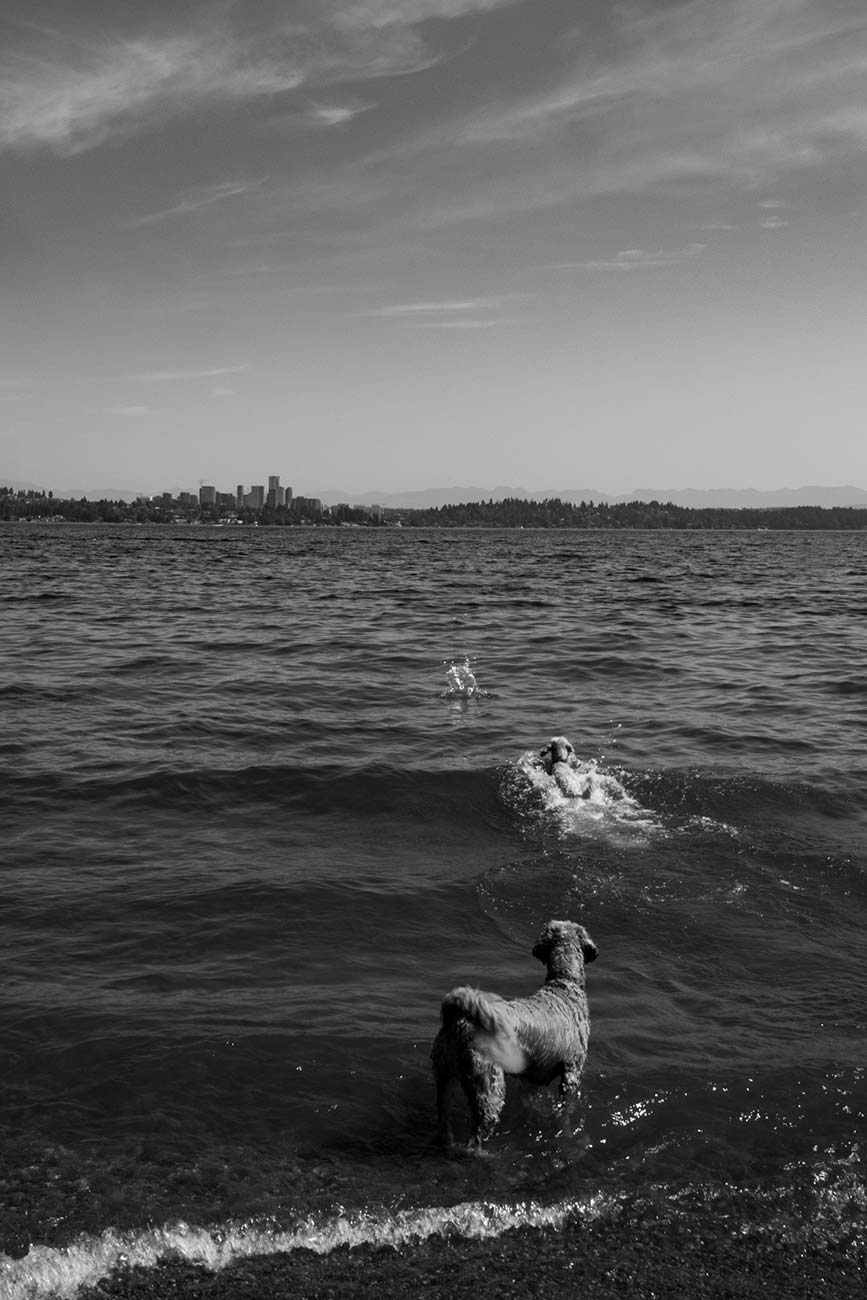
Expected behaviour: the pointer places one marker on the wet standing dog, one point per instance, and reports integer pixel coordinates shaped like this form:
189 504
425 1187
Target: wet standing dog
544 1037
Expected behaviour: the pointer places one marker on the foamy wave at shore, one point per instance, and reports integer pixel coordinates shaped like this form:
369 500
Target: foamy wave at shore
61 1271
825 1212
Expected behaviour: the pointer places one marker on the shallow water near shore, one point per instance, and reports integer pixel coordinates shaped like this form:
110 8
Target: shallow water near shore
268 794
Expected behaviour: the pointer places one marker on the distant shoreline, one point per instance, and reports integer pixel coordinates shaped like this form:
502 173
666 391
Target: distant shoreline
511 513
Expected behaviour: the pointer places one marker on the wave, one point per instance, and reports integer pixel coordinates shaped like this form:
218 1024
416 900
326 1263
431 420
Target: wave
694 794
819 1209
321 787
61 1271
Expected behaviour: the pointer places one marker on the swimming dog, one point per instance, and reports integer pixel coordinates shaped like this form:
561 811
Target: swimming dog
558 750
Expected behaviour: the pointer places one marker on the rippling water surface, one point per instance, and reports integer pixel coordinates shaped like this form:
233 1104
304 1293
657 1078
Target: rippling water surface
255 828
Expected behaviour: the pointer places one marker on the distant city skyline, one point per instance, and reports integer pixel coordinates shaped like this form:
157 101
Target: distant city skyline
432 497
392 244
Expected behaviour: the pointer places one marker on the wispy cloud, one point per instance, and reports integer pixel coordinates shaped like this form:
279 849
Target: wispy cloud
773 220
469 323
203 196
174 376
451 314
71 97
71 90
634 259
746 89
450 307
333 114
701 97
382 13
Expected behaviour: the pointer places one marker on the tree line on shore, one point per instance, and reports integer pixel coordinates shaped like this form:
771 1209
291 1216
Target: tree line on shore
555 513
511 512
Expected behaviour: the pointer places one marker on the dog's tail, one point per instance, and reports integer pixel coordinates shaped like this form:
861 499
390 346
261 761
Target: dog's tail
492 1032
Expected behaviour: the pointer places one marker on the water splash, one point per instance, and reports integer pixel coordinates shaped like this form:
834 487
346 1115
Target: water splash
581 797
461 681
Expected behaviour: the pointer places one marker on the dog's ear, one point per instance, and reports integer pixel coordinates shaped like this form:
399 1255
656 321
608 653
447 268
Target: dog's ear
541 951
588 947
542 947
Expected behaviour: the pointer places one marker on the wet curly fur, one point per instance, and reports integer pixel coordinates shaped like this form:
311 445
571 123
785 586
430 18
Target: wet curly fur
544 1037
558 750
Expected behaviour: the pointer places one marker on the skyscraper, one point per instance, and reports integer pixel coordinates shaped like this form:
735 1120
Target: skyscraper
276 494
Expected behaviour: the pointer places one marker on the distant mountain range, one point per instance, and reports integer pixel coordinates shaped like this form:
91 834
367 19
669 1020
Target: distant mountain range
431 498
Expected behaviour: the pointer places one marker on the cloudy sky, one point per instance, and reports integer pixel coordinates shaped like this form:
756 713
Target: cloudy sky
393 244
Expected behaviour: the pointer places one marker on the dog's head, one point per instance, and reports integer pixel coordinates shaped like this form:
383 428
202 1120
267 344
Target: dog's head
565 948
558 750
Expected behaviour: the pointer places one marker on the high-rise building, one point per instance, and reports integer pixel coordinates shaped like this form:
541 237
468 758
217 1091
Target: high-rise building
257 496
207 495
276 494
239 495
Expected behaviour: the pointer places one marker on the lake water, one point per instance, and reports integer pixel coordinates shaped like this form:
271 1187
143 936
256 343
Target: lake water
257 821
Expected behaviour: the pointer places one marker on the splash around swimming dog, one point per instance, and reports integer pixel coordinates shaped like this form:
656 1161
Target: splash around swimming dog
584 798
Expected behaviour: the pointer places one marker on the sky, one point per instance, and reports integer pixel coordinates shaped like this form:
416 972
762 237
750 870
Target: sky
384 245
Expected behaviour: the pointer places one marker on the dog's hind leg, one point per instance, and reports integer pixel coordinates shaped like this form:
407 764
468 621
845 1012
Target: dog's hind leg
486 1094
570 1080
445 1092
